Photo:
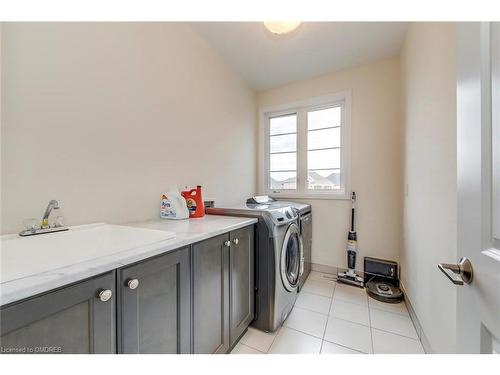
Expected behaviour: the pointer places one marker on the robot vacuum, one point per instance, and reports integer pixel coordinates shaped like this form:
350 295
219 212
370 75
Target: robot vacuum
381 280
384 292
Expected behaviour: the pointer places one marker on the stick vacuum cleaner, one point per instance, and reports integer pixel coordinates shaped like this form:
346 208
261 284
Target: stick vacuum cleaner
350 277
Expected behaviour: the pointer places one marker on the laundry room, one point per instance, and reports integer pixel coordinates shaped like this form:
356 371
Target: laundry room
239 186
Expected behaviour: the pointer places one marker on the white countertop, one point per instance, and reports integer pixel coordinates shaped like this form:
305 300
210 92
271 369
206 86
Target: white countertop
33 265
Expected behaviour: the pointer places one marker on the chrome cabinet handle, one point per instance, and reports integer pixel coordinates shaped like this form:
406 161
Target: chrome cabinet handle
235 241
133 284
458 273
105 295
227 243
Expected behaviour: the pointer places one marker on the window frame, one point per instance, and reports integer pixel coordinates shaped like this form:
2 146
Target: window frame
301 108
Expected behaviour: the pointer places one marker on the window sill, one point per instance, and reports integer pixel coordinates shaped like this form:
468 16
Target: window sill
317 196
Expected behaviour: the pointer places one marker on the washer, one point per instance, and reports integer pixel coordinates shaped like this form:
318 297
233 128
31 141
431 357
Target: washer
279 259
305 225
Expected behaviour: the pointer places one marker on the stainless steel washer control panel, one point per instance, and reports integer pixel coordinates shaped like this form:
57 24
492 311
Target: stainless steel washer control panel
283 215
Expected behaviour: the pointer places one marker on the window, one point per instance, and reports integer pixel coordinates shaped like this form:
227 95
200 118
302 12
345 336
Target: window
324 148
283 152
307 148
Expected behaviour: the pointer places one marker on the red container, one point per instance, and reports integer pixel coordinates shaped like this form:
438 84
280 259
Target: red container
194 202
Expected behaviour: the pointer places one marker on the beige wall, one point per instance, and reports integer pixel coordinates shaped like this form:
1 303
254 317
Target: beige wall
104 117
376 162
430 214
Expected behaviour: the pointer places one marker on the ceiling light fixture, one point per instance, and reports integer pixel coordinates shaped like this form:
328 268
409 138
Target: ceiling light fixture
281 27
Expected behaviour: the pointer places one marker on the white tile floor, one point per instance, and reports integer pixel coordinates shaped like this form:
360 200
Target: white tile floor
331 318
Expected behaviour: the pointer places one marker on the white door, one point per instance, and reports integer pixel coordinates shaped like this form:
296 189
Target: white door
478 148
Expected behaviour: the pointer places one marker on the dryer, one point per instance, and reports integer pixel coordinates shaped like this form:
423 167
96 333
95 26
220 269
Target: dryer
279 259
305 225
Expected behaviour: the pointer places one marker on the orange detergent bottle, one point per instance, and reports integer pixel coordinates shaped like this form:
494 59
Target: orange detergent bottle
194 202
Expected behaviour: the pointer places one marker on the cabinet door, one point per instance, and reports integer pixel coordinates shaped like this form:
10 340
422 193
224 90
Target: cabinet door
210 275
69 320
154 305
241 275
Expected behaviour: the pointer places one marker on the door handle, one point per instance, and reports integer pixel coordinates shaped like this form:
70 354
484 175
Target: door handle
458 273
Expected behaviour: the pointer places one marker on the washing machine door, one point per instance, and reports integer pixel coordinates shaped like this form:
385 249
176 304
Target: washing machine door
291 258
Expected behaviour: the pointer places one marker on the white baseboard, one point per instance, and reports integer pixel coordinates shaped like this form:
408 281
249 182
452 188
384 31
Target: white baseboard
331 269
416 322
323 268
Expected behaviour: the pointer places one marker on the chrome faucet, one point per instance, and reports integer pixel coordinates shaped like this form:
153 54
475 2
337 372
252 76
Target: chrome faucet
45 226
53 204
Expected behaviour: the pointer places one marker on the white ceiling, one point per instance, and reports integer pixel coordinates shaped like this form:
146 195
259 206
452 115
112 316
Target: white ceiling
266 60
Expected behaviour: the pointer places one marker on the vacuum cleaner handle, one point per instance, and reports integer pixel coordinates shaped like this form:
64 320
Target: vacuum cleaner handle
353 202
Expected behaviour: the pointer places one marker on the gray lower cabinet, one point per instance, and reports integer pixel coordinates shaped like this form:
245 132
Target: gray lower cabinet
223 290
197 299
210 280
241 279
69 320
154 305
